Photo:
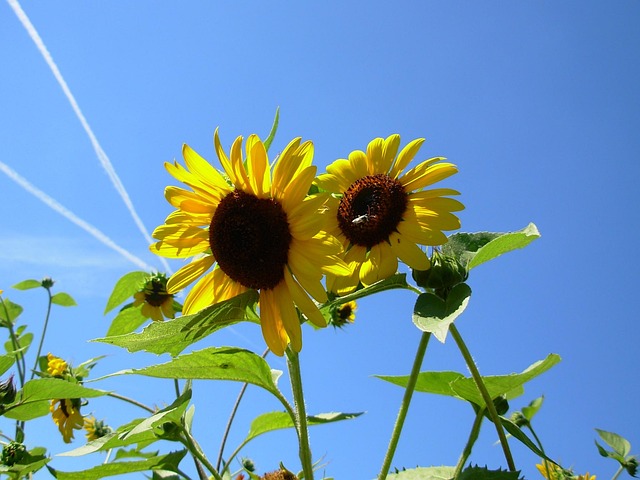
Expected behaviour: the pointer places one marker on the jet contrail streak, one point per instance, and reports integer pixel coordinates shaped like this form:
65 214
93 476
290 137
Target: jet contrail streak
53 204
102 156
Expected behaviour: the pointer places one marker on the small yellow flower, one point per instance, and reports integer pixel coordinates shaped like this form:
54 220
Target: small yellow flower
156 302
551 471
381 214
257 231
66 415
95 428
343 314
1 292
56 367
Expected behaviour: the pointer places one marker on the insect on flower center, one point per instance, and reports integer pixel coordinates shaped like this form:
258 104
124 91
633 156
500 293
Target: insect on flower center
371 209
250 238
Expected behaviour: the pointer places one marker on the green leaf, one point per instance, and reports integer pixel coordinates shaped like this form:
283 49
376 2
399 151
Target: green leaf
215 363
533 408
399 280
483 473
274 129
510 385
6 362
473 249
433 314
24 342
168 462
456 385
9 311
142 431
126 321
173 336
620 445
125 288
27 284
28 411
53 388
268 422
63 299
517 433
31 462
424 473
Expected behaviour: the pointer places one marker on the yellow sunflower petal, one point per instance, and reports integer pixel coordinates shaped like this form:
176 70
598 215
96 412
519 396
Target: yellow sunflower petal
438 204
302 300
440 220
203 169
289 315
432 193
224 160
200 296
189 273
187 218
237 163
340 175
389 150
344 284
374 155
381 264
307 218
413 232
360 165
288 164
167 250
181 235
272 328
409 252
424 175
405 157
298 188
258 166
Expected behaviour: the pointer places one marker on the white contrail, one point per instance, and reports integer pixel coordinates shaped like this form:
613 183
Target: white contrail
50 202
102 156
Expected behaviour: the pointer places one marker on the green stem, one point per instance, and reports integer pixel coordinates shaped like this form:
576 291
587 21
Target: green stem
234 410
617 474
404 406
493 414
473 436
193 447
44 332
293 362
131 401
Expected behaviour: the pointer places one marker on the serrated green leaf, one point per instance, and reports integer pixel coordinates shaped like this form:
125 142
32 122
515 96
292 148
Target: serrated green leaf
620 445
483 473
268 422
456 385
27 284
274 129
54 388
215 363
433 314
424 473
126 321
63 299
167 462
173 336
125 288
133 453
9 311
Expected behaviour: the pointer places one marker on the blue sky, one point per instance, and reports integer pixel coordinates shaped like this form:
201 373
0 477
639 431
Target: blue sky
537 103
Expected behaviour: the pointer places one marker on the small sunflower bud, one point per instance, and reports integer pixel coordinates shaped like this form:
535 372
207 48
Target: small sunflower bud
7 391
279 475
445 273
12 453
631 466
344 314
169 431
47 282
519 419
248 465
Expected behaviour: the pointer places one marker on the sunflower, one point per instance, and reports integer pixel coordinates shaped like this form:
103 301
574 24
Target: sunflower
156 302
257 231
551 471
95 428
56 367
66 415
382 215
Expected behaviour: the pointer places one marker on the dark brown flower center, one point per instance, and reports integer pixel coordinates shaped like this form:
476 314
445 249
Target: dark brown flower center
155 292
250 238
371 209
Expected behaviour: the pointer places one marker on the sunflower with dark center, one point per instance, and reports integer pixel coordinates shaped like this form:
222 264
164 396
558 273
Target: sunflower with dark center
381 215
156 302
257 230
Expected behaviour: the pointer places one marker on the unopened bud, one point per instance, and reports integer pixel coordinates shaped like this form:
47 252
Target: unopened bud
445 273
7 391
